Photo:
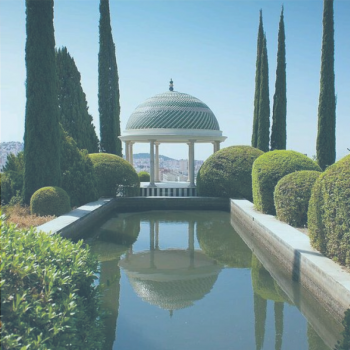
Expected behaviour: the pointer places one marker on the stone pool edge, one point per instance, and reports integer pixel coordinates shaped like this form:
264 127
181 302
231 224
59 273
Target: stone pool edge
325 279
70 224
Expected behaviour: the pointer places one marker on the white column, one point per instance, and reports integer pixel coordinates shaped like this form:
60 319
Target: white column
191 162
216 145
151 165
131 153
127 153
157 162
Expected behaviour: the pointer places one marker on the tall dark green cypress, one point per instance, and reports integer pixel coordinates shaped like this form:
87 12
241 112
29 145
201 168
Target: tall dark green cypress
279 113
264 103
325 145
41 136
108 86
257 82
73 108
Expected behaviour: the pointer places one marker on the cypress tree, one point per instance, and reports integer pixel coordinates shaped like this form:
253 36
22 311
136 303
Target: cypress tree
264 103
73 108
279 114
108 86
41 136
325 145
257 82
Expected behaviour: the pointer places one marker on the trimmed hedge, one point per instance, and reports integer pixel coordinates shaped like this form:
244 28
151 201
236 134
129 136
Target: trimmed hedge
111 172
269 168
144 176
50 201
328 215
292 195
227 173
48 296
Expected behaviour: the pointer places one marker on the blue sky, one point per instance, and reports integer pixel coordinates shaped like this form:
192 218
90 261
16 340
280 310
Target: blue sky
207 47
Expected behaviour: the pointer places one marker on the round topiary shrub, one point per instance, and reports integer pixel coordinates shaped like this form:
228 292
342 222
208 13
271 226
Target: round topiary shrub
112 173
292 195
227 173
269 168
50 201
144 176
328 215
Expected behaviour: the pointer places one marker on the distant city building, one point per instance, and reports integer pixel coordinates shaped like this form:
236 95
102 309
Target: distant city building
169 169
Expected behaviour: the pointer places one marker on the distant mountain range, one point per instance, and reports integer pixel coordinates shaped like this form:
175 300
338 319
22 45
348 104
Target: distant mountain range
147 155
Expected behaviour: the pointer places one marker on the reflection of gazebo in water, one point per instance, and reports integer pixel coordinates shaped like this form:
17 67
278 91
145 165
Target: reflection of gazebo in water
171 279
171 117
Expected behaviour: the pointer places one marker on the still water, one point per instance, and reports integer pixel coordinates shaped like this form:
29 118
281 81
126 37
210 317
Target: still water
186 280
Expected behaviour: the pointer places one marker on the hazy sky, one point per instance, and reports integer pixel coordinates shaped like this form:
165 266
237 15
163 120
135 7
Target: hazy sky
207 47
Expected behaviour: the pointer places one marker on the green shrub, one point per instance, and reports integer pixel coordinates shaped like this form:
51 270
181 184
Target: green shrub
12 178
328 215
292 195
269 168
227 173
111 172
48 297
77 173
144 176
50 201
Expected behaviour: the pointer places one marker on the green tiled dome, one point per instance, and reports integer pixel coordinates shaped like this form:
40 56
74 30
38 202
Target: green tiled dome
173 110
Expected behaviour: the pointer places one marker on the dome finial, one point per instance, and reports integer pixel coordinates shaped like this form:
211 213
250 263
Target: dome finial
171 87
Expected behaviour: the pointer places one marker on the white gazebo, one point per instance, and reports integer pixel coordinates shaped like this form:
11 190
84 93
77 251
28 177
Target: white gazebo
171 117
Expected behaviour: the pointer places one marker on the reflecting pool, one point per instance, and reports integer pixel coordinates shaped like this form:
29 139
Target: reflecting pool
186 280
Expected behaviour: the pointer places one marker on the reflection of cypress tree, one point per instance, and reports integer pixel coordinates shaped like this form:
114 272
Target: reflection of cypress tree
278 325
314 340
110 277
260 305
